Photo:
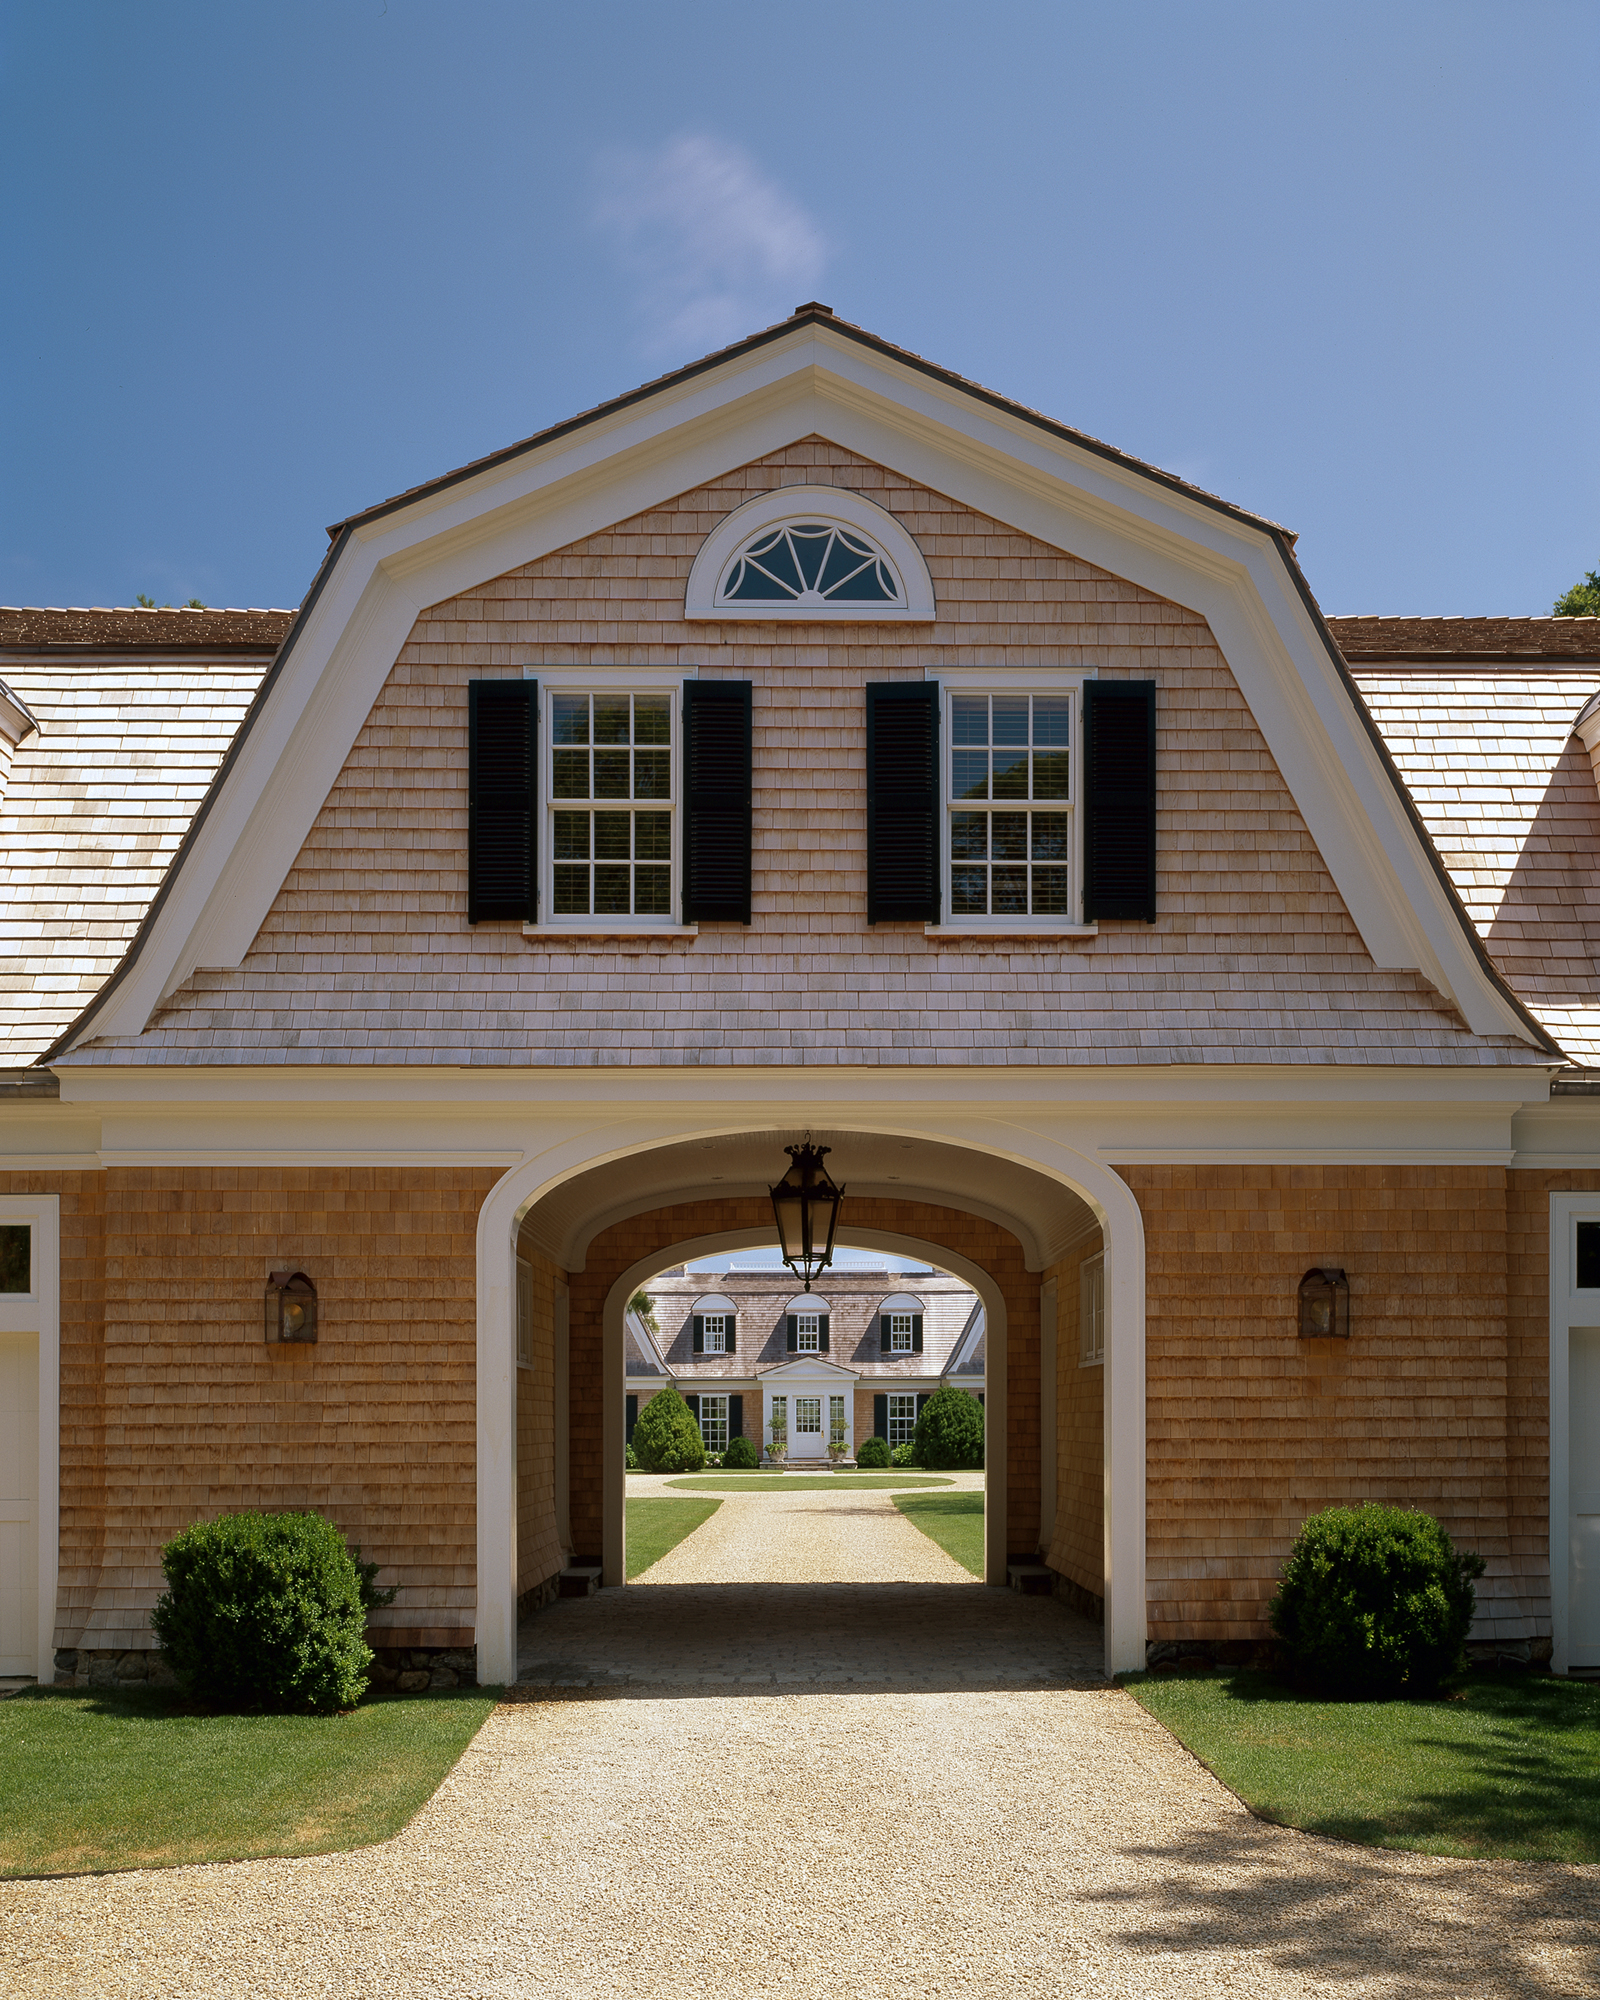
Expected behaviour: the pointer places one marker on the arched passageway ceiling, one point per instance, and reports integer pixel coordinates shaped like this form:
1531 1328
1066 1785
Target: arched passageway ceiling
1046 1217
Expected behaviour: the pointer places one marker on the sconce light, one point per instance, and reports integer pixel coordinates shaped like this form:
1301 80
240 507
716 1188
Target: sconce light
291 1306
1324 1305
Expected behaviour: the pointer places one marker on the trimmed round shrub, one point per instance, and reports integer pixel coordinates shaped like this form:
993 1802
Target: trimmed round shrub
666 1437
904 1454
266 1611
1375 1601
873 1454
740 1456
950 1431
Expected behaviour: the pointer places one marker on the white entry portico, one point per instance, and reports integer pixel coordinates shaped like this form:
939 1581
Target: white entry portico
812 1402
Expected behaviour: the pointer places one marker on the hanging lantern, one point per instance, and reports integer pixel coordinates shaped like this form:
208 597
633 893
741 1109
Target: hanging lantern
805 1206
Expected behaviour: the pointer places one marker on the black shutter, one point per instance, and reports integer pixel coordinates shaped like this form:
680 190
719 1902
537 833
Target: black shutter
794 1335
716 789
902 801
916 1333
694 1407
631 1416
736 1416
502 803
698 1324
730 1334
921 1404
1119 800
880 1417
822 1333
883 1333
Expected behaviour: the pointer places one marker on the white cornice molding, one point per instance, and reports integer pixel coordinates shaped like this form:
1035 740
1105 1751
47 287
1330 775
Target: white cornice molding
1227 569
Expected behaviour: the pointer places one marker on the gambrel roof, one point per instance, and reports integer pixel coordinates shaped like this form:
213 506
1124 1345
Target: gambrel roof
812 376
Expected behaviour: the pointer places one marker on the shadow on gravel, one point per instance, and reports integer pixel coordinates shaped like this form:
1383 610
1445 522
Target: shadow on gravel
1340 1914
779 1636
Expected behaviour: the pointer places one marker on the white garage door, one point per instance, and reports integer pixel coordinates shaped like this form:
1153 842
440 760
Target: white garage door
1583 1467
19 1503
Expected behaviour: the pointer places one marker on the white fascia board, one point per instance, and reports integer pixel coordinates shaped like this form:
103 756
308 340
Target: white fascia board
1562 1136
444 543
854 1096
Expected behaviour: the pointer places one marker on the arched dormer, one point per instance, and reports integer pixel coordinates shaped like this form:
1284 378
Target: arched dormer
900 1324
806 1324
714 1324
810 553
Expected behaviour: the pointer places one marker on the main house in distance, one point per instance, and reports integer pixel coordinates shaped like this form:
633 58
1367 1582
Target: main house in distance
813 1373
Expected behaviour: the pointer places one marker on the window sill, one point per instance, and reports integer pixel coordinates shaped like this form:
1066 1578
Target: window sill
603 931
967 931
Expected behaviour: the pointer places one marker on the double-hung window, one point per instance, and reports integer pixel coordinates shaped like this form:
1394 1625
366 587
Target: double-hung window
1011 823
611 805
808 1333
714 1422
716 1333
900 1333
902 1420
1092 1311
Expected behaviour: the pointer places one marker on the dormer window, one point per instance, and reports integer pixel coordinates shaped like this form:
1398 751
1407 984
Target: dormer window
810 563
716 1333
808 1333
899 1333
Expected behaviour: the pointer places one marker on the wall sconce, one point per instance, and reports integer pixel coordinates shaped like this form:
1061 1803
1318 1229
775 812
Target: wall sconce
291 1306
1324 1305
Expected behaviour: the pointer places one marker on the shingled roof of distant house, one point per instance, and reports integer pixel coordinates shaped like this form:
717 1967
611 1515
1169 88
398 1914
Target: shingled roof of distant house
31 629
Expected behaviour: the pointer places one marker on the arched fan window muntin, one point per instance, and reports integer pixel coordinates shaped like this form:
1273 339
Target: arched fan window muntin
810 562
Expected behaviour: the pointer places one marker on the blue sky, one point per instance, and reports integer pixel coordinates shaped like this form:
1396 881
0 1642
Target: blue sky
268 265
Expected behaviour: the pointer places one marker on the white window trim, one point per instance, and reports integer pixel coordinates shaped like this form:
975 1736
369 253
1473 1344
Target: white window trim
564 678
1019 680
524 1313
890 1419
1569 1308
1092 1271
39 1312
721 1334
717 1396
839 507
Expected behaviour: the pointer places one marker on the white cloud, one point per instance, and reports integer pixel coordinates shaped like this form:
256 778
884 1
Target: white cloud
716 248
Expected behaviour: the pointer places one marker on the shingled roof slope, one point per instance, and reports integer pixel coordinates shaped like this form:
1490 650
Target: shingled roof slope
30 629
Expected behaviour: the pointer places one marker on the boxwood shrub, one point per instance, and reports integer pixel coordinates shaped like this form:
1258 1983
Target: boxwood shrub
740 1456
1375 1601
267 1611
873 1453
666 1437
949 1435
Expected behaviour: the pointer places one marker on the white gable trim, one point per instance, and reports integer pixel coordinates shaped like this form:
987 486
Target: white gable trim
384 571
809 1368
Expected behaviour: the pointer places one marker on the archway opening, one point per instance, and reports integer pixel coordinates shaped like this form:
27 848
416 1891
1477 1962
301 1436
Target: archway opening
587 1232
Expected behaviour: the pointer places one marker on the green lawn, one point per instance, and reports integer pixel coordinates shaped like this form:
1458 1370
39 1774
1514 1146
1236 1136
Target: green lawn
802 1482
953 1520
1508 1766
654 1526
121 1779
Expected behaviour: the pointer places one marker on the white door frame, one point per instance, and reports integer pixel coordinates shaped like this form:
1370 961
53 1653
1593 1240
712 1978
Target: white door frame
1568 1308
39 1312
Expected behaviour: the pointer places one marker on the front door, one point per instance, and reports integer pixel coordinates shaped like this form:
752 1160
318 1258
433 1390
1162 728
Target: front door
805 1441
1583 1503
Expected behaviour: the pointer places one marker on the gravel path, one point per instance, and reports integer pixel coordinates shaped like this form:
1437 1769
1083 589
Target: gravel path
845 1537
987 1819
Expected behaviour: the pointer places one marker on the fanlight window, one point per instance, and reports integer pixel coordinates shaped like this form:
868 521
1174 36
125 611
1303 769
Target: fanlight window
810 563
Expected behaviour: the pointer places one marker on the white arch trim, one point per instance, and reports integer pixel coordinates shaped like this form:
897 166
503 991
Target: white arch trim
837 507
1123 1431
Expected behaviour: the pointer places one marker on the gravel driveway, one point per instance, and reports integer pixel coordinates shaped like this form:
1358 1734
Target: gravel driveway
902 1788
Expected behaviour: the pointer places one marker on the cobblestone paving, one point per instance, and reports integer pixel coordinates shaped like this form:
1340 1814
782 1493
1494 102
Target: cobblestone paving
905 1789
